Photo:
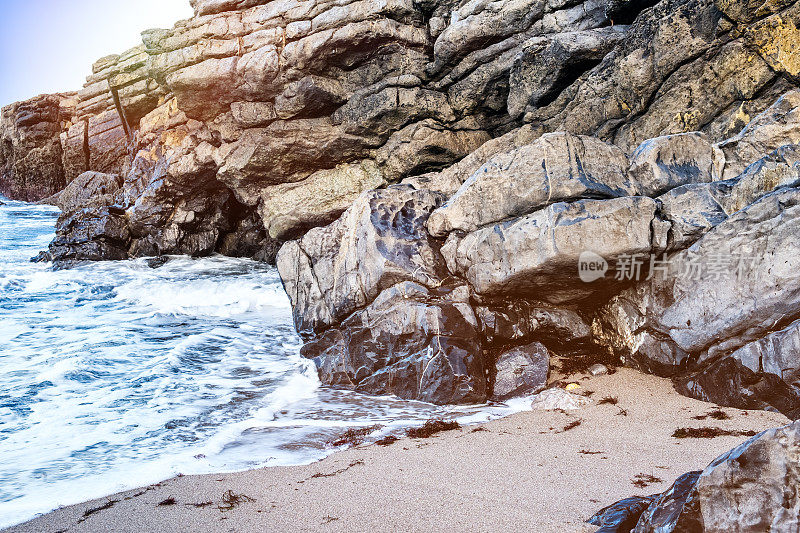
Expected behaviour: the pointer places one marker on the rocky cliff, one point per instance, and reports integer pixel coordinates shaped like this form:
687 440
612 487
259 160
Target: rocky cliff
434 173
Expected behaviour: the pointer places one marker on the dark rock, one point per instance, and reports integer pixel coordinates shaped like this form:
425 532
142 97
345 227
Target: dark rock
665 508
517 320
157 262
520 371
390 109
309 97
407 342
729 382
622 516
42 257
91 234
250 239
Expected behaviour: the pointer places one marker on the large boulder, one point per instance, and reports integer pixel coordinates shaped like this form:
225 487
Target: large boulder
91 234
749 489
90 189
556 167
736 286
408 342
538 255
378 242
520 371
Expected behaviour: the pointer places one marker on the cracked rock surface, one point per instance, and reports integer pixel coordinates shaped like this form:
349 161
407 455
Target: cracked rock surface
428 175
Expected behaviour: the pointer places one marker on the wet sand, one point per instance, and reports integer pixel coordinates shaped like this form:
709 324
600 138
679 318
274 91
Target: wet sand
524 472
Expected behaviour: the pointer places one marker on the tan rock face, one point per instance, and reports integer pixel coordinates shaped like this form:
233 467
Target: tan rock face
290 208
30 147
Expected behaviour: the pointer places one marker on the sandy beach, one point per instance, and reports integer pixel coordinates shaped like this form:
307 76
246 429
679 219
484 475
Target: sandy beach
524 472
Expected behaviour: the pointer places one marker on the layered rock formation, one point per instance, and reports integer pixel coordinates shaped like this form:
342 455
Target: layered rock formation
30 151
436 171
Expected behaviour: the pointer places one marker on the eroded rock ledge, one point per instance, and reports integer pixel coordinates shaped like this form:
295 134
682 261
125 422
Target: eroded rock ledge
433 171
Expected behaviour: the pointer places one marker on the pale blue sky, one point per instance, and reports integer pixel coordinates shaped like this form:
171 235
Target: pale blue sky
49 45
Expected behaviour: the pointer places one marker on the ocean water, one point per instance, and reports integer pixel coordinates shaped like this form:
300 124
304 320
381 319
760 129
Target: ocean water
115 375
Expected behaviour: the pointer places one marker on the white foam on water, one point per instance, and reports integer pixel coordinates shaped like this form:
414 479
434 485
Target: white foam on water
115 375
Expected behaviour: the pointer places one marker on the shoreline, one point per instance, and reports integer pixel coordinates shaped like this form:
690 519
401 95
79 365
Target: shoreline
521 471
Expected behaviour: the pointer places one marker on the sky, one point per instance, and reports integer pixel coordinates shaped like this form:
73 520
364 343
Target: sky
48 46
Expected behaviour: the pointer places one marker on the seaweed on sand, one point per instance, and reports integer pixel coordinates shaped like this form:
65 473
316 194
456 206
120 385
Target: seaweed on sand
611 400
710 433
644 480
387 440
231 500
353 436
108 505
716 414
432 427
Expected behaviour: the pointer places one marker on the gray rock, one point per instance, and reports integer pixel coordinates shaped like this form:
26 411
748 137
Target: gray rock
777 126
556 167
426 146
693 210
538 255
777 169
449 180
289 209
520 371
90 189
598 370
390 109
746 289
664 163
378 242
557 399
659 79
546 66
